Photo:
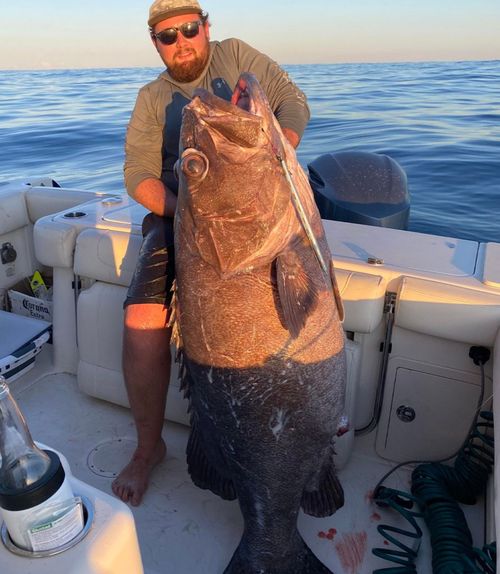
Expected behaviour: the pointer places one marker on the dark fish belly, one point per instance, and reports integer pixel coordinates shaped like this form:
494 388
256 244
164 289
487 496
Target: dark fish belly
265 435
281 406
265 426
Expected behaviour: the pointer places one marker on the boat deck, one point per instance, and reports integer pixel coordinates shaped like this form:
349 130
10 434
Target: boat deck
185 530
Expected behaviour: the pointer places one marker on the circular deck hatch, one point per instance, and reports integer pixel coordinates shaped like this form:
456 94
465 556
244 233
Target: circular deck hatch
109 457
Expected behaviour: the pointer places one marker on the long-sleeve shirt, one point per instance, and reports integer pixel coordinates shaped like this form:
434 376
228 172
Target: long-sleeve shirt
152 140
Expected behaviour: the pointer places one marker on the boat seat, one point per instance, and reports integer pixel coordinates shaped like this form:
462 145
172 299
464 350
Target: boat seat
44 200
14 213
424 306
107 255
363 298
109 258
100 332
16 235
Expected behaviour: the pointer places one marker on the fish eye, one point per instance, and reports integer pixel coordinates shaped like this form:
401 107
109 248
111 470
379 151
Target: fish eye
194 164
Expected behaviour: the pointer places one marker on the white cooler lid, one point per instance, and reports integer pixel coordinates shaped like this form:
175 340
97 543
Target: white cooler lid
17 330
21 339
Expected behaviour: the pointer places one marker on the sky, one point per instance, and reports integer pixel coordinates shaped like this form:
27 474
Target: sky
48 34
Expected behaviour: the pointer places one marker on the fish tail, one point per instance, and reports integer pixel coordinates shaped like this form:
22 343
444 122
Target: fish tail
300 560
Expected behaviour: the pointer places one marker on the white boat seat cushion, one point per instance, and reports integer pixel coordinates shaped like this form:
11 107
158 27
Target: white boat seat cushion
54 242
363 297
100 330
13 214
107 255
100 325
447 311
45 200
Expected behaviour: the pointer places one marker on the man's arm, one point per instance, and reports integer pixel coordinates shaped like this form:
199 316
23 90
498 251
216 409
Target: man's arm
291 136
287 101
156 197
143 159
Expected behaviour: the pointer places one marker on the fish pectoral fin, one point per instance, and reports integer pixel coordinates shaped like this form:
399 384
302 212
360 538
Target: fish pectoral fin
202 472
327 496
298 294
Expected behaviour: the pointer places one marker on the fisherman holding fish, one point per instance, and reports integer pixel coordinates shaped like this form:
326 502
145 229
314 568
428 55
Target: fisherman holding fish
179 31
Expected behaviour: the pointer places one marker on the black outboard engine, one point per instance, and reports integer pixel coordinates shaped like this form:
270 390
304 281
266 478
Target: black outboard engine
361 187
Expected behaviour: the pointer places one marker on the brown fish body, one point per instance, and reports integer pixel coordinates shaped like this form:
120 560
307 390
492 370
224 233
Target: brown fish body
259 330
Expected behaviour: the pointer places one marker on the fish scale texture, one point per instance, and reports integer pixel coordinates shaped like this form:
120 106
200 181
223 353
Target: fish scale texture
259 329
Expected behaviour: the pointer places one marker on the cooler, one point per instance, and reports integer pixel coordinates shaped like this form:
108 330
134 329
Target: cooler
21 339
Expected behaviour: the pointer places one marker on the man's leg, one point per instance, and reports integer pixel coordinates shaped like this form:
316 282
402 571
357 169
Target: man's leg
146 369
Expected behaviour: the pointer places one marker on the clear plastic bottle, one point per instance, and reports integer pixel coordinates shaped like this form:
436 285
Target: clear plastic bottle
33 485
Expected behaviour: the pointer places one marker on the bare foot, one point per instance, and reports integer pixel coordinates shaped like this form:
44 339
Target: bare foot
132 482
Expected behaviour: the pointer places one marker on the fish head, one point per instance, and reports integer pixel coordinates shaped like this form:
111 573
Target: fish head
231 185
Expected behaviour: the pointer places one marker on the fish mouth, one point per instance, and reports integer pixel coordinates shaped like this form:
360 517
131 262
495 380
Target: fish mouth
232 123
244 119
249 96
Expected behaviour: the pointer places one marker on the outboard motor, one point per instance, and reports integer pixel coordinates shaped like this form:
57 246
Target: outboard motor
361 187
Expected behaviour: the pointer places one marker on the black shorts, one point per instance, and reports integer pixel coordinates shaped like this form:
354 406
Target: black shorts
155 270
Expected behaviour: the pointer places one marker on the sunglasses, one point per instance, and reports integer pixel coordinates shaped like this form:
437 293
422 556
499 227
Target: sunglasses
169 36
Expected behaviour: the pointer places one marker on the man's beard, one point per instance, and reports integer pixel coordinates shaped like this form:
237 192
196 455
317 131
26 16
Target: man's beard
189 71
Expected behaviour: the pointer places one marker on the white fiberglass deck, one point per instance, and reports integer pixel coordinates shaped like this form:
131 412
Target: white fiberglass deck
185 530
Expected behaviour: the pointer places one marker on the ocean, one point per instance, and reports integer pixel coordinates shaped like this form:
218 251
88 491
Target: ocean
439 121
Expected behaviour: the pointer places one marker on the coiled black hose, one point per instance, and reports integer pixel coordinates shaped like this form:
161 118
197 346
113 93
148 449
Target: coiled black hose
405 552
487 558
436 488
439 488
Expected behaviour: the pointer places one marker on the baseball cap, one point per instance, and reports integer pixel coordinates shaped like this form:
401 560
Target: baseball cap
163 9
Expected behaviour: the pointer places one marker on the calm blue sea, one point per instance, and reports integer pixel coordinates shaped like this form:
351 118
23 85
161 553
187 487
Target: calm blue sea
440 121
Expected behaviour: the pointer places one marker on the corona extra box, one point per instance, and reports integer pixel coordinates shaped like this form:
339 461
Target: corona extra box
22 302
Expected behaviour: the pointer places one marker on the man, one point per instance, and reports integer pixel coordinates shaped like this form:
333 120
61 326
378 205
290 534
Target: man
180 33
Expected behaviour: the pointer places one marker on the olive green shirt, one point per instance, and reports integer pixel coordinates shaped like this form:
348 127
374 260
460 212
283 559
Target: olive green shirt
152 140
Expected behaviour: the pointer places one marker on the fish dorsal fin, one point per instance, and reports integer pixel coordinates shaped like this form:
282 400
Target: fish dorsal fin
298 294
173 320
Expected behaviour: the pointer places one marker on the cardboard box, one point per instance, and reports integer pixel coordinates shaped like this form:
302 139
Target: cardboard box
22 302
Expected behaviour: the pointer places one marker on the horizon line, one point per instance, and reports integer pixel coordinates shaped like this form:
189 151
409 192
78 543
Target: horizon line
339 63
